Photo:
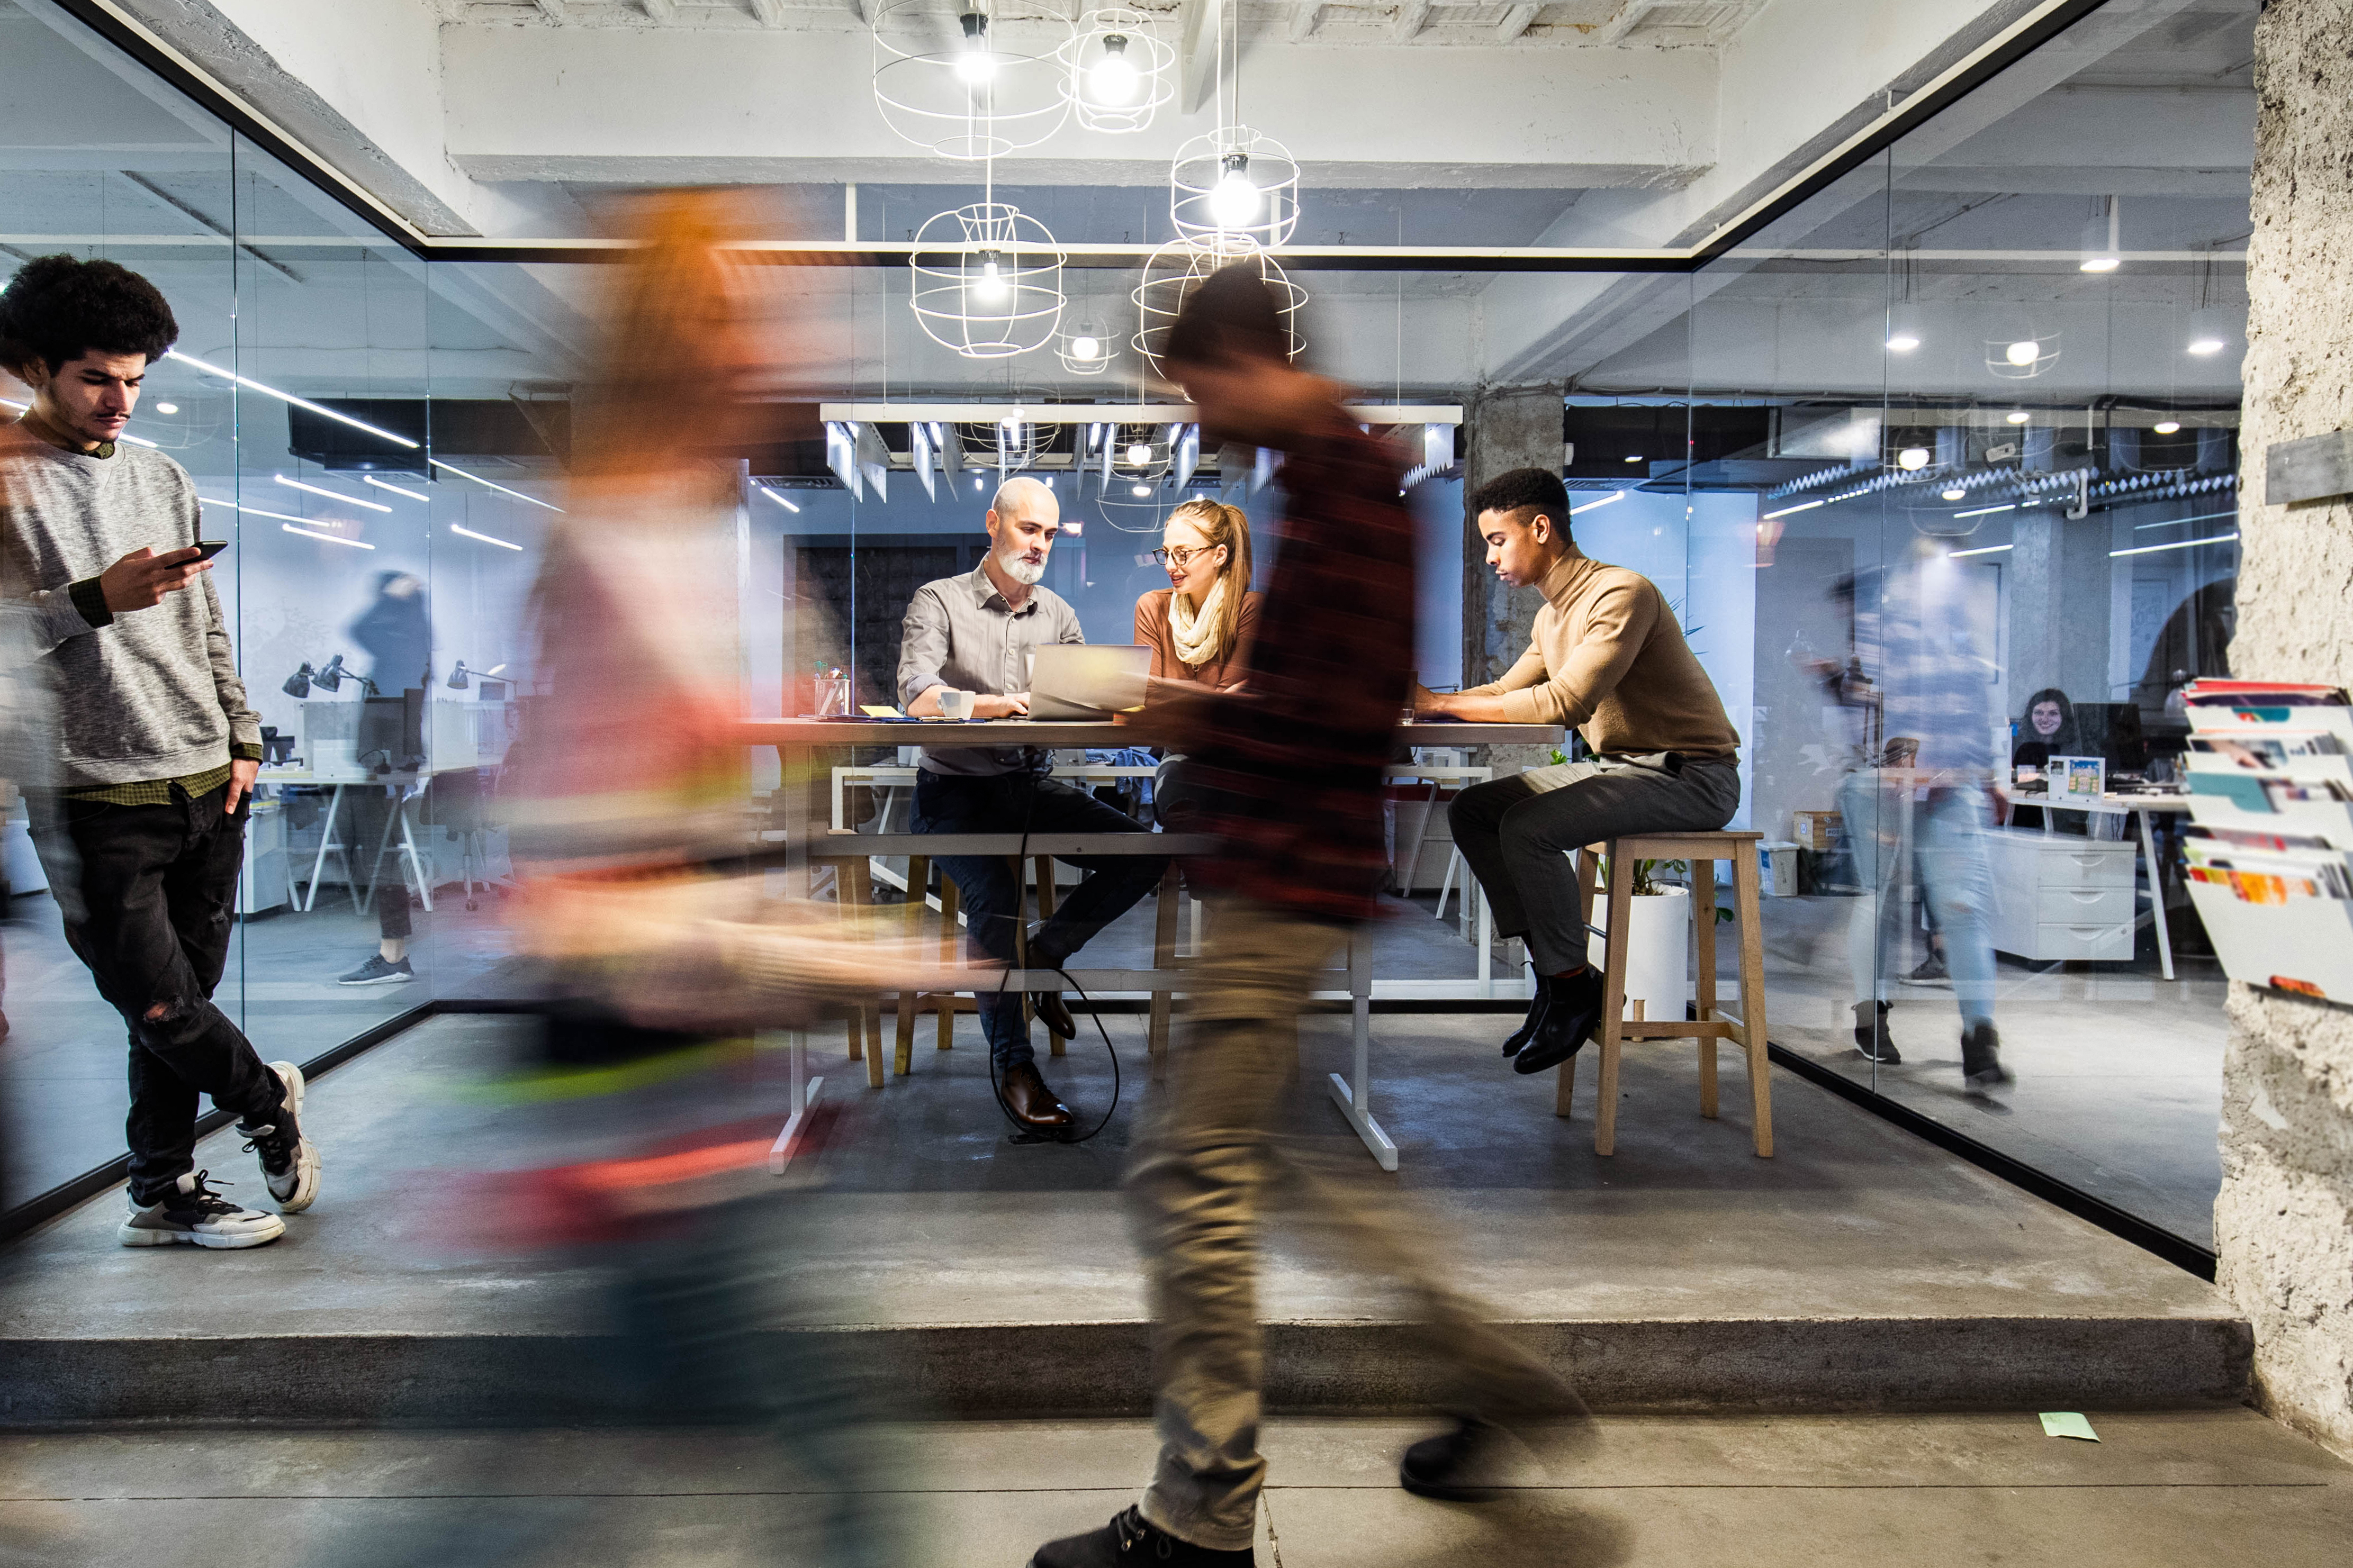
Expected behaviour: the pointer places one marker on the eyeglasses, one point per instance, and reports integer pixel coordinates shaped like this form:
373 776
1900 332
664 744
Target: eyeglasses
1181 554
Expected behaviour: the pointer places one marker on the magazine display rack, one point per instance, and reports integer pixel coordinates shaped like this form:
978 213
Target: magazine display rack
2270 850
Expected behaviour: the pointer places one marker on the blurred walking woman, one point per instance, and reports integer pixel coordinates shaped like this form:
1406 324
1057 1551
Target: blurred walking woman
1200 627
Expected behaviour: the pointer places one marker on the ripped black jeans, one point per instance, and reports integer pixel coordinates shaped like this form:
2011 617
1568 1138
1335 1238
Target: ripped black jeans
148 893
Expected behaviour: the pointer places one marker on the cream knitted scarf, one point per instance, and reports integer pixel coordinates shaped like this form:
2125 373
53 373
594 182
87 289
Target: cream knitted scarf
1197 639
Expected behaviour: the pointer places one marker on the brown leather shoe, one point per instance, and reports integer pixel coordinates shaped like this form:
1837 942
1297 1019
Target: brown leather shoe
1030 1101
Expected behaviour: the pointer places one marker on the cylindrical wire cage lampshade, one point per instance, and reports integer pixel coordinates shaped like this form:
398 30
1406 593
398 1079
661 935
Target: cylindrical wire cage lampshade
1234 182
1086 347
1117 70
988 281
960 86
1177 267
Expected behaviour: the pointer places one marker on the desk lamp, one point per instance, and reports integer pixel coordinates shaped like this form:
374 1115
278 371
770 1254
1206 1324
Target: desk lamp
458 677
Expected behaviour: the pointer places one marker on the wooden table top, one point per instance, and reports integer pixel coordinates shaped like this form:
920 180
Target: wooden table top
945 732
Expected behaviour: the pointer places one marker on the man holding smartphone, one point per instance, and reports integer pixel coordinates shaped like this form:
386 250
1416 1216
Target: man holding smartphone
139 821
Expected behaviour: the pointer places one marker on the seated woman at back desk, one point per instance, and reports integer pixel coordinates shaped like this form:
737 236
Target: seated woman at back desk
1200 627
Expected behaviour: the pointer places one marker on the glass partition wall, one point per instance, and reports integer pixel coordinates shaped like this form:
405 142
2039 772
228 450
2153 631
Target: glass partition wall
1938 471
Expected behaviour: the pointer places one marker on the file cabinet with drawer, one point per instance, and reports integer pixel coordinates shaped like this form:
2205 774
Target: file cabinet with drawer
2056 896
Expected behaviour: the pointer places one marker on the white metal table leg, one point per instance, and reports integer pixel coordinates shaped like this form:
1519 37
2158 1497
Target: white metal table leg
326 842
1354 1099
805 1092
2155 896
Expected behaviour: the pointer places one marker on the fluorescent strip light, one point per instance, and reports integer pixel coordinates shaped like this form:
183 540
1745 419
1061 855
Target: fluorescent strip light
2177 522
412 495
330 494
257 512
1988 510
775 497
325 538
2177 544
1792 510
1577 510
483 537
289 397
499 488
1981 550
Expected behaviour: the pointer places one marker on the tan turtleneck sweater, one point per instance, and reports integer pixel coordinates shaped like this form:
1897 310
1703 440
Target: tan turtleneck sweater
1609 660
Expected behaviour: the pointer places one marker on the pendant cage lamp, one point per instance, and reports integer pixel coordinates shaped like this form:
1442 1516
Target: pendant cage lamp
1234 182
1086 347
1007 445
1141 453
1177 267
2018 351
1118 72
962 86
988 281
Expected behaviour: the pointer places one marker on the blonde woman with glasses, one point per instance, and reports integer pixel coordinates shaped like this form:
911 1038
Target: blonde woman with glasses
1200 627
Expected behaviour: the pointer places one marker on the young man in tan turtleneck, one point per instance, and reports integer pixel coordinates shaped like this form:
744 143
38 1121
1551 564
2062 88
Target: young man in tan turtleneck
1609 660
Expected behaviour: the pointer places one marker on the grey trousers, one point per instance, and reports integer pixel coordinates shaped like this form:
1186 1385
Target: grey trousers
1516 831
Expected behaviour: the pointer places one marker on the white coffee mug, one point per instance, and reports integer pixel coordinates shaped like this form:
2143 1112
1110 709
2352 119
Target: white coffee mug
955 704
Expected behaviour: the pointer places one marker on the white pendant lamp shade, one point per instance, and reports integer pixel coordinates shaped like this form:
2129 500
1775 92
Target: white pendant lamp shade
960 84
988 281
1176 269
1235 181
1086 347
1118 72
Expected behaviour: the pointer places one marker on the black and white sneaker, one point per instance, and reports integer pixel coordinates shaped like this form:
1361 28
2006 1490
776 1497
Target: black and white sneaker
289 1162
376 971
193 1213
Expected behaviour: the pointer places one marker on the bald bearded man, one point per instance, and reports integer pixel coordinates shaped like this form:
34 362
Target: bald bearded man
975 633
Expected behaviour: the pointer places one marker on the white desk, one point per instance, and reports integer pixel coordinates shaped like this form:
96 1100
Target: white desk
407 782
2139 808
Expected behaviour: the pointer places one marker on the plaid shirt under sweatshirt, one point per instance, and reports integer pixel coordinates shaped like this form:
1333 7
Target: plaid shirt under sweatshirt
1299 754
138 701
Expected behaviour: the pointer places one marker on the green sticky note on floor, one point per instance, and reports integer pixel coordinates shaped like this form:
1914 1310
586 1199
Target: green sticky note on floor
2067 1423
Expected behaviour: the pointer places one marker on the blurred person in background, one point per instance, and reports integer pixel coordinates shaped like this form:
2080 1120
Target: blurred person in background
1294 765
140 820
396 632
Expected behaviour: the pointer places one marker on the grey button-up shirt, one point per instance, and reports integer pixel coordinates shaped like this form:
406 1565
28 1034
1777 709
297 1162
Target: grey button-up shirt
961 634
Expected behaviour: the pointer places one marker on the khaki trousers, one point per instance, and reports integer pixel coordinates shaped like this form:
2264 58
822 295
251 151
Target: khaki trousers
1199 1180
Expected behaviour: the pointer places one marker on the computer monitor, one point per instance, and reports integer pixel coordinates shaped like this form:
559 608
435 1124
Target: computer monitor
2112 730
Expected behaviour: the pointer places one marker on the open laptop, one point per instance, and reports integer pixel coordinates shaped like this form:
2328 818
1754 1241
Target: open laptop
1082 682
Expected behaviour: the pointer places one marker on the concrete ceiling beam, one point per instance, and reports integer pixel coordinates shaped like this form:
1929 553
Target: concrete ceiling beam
1300 25
1515 21
661 11
1410 18
1629 16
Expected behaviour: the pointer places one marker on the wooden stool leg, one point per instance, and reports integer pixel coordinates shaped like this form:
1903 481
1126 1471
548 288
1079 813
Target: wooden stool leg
1055 1040
1565 1095
1752 997
1613 1002
858 881
918 883
1703 889
1163 956
948 945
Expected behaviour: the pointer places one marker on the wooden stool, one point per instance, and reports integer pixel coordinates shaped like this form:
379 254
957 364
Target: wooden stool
1701 850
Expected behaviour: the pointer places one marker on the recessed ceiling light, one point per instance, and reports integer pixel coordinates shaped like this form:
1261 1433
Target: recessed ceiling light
2207 346
2167 427
2100 264
1634 456
1956 495
1903 342
1912 459
2017 416
167 408
1140 492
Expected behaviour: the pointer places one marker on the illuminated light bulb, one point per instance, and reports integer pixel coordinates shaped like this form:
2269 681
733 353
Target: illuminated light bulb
2203 346
167 408
1903 342
1139 454
1113 80
1086 348
2100 264
2167 427
1956 495
2018 417
990 284
1140 492
1634 456
2024 351
1235 201
1912 459
974 63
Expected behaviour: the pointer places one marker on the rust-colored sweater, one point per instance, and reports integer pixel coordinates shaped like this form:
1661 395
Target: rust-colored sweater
1609 660
1152 630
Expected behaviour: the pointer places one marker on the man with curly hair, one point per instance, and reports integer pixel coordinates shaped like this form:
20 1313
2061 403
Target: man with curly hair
140 819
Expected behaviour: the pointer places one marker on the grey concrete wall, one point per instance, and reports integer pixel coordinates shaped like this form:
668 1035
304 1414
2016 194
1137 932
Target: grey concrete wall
2283 1223
2058 632
1510 427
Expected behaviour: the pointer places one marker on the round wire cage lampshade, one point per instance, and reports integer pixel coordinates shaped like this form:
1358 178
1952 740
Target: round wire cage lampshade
988 281
1117 72
1177 267
1007 446
959 86
1234 182
1085 348
2021 355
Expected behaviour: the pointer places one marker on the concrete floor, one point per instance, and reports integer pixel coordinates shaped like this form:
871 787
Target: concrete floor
1663 1492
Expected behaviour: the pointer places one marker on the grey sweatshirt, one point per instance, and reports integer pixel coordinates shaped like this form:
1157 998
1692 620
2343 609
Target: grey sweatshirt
148 694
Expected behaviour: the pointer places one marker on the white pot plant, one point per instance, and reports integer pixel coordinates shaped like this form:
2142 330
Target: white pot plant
1658 938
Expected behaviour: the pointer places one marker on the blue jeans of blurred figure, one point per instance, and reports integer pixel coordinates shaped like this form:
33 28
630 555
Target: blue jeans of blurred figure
1011 802
1944 839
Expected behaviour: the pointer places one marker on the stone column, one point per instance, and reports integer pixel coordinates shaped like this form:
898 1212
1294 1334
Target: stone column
1509 427
2058 632
2283 1223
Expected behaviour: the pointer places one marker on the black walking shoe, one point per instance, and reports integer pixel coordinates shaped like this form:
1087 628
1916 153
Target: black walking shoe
1569 1021
1460 1466
1536 1005
1981 1067
1127 1539
1870 1037
1932 972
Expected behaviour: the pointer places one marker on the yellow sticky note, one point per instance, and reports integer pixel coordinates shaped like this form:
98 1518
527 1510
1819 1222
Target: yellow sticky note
2067 1423
880 710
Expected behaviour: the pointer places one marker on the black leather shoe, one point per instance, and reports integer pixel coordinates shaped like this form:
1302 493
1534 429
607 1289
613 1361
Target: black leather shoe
1055 1013
1457 1466
1126 1540
1536 1005
1567 1022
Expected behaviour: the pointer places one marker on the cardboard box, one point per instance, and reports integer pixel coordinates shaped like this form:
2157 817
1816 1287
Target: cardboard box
1815 830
